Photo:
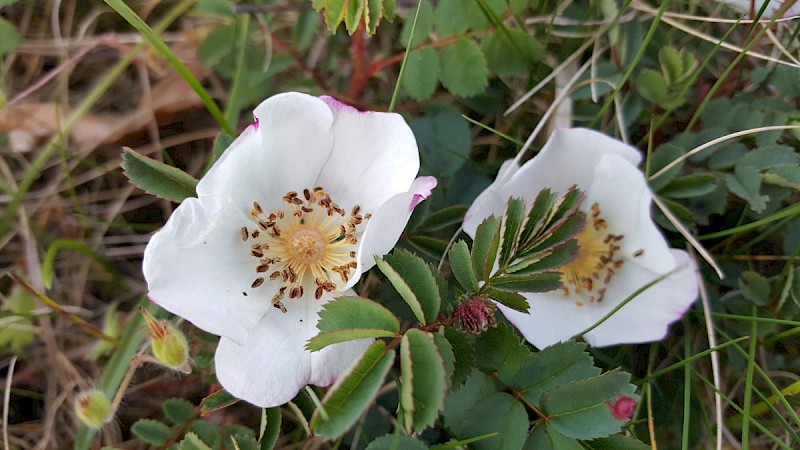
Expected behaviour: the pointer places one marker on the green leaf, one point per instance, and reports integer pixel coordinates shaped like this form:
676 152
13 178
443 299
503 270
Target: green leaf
357 313
221 143
652 86
178 410
450 16
354 392
461 263
444 142
500 350
579 409
271 419
389 8
445 217
192 442
464 352
431 247
556 365
512 300
422 73
462 68
424 26
353 14
786 176
422 380
325 339
158 178
544 437
745 182
533 282
373 11
151 431
690 186
755 287
459 403
448 357
546 260
396 442
413 280
511 226
484 247
348 11
219 43
770 156
617 442
216 401
498 412
10 38
512 52
244 441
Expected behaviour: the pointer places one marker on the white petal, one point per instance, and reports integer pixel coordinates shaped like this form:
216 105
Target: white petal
492 201
647 317
387 224
568 158
374 157
198 267
283 152
272 365
553 318
622 193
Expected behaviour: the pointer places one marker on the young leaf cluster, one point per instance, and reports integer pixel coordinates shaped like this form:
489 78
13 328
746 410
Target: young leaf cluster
523 250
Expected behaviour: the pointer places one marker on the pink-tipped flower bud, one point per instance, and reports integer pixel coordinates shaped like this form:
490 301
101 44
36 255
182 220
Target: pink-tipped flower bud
93 408
474 315
623 408
169 345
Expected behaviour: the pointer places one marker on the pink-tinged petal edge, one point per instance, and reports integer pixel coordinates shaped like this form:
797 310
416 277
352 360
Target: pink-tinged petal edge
254 124
425 186
336 105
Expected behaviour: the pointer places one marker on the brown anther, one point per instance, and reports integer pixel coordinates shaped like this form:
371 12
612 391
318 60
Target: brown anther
245 234
608 238
276 231
298 213
306 209
588 284
257 282
262 268
272 217
618 263
602 295
263 225
257 253
281 215
356 209
257 208
307 194
255 234
352 264
638 253
318 293
285 275
275 275
352 240
342 230
352 254
367 216
292 275
595 210
609 276
280 306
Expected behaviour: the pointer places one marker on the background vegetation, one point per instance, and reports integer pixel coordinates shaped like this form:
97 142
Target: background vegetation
710 97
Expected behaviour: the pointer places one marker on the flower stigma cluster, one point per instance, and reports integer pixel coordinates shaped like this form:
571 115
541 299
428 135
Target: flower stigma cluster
304 246
585 277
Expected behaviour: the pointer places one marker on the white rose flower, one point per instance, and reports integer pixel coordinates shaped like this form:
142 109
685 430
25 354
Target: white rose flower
289 217
620 248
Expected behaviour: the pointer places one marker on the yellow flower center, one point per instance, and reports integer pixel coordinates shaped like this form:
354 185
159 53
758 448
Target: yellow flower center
587 276
303 246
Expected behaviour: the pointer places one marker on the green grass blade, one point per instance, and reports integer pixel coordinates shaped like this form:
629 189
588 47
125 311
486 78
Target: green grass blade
152 37
396 92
